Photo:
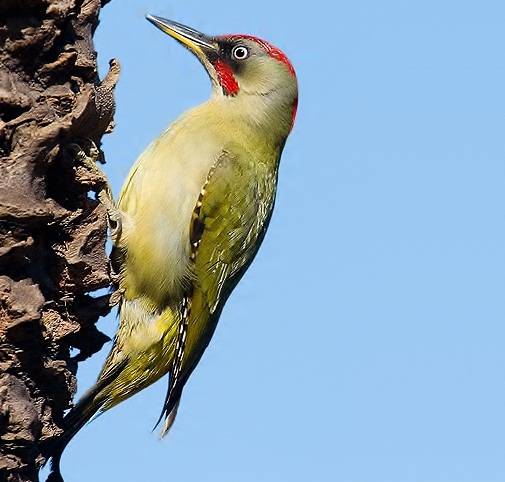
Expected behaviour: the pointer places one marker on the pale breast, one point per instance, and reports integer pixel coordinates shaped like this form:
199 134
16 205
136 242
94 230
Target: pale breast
157 200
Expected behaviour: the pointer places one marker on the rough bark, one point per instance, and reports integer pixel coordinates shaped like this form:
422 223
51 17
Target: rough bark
52 230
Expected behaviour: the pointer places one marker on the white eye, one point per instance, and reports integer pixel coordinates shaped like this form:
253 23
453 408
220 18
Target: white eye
240 52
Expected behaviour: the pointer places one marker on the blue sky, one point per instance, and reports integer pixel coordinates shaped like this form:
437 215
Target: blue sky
367 341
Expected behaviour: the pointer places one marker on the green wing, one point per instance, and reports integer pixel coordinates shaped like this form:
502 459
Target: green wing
228 225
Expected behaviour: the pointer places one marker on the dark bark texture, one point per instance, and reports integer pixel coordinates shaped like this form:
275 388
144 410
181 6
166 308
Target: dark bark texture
52 230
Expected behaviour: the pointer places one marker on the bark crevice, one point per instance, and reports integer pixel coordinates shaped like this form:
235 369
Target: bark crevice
52 229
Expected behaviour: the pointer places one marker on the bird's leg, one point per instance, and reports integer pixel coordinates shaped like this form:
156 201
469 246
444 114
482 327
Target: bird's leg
88 158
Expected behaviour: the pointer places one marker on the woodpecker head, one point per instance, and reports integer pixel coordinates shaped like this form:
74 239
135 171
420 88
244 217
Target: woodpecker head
241 67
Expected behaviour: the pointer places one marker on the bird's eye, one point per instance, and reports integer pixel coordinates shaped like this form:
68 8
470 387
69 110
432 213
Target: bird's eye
240 52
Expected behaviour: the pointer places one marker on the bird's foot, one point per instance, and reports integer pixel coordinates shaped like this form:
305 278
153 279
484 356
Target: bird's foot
116 296
88 156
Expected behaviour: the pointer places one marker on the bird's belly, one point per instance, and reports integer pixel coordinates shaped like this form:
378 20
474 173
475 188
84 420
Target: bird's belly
158 201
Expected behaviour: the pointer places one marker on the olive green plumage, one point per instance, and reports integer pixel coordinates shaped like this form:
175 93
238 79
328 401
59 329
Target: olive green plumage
194 210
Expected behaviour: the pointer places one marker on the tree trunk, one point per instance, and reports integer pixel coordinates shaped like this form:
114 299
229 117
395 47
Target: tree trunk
52 231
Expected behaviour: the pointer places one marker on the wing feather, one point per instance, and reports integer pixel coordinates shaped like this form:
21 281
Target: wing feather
228 224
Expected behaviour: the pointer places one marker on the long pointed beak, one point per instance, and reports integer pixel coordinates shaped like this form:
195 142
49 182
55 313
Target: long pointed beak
196 41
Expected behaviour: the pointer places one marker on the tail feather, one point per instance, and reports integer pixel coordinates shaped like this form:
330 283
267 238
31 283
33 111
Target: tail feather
72 423
89 404
170 407
170 419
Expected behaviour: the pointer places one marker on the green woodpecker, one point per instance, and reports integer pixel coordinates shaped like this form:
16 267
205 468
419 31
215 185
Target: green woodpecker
193 213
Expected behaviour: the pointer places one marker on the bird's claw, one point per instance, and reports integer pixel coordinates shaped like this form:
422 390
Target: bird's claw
114 219
115 297
88 158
